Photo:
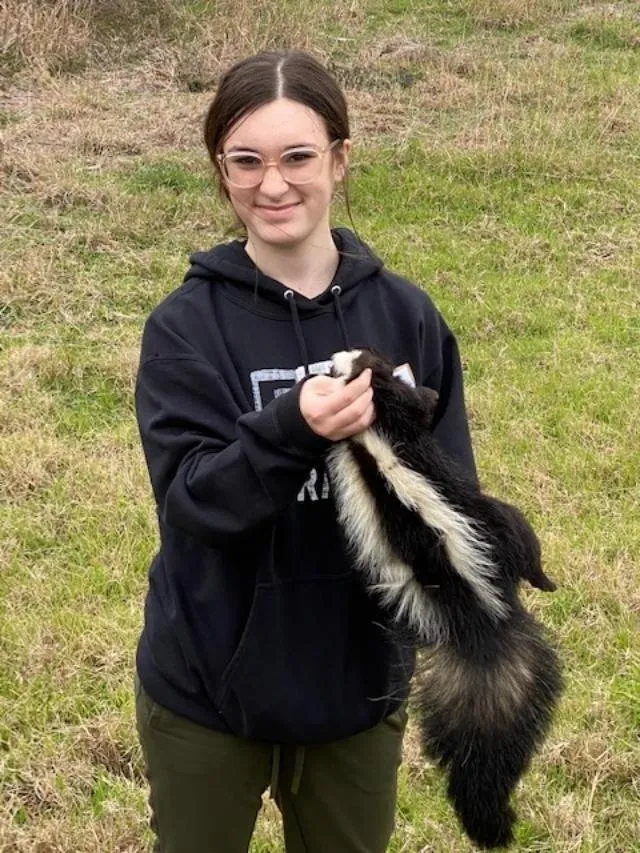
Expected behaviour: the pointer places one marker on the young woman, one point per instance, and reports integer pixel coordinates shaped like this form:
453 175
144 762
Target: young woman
263 660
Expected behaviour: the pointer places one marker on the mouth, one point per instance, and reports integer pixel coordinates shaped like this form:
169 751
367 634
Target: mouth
276 210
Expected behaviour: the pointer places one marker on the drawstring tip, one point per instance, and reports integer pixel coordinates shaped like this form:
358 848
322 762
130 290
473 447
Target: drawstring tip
275 772
297 769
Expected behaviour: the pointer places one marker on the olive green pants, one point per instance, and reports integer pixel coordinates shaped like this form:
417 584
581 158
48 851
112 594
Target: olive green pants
206 786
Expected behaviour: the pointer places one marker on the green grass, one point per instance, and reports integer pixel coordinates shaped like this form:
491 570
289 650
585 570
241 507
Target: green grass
496 163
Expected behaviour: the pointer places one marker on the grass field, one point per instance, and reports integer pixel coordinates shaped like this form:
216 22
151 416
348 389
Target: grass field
497 162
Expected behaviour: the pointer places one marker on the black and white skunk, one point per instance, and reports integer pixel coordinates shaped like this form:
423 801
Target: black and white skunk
447 560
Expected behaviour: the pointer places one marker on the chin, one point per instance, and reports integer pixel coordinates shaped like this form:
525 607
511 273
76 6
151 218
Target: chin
281 236
284 234
301 227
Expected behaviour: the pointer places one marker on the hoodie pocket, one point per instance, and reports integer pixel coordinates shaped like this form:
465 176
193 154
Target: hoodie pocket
313 664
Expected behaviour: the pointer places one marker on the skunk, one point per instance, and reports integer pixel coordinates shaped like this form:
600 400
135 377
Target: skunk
447 560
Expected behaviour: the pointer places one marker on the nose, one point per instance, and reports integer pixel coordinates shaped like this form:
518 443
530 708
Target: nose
273 184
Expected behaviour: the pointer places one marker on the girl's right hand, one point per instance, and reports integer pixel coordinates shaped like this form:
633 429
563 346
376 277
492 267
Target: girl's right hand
337 410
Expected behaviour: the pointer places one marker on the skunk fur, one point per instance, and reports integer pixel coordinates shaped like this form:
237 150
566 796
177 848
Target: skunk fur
447 560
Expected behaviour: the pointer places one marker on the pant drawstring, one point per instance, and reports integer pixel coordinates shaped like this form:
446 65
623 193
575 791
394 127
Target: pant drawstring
275 772
298 764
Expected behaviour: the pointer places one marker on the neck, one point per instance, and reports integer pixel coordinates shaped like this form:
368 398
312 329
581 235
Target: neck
307 269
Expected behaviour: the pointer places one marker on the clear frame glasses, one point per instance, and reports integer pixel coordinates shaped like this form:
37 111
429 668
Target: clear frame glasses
301 165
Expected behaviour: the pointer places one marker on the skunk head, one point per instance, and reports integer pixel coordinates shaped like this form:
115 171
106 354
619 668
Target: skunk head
396 402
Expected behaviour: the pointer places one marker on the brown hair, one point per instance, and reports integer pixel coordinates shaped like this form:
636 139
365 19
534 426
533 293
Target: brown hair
265 77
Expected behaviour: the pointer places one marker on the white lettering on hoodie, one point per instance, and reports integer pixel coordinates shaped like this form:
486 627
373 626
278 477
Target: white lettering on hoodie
269 383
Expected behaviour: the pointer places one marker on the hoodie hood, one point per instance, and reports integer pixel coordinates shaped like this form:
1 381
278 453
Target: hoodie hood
231 267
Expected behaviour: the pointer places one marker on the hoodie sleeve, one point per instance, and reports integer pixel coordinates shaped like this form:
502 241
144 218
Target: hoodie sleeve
450 424
215 471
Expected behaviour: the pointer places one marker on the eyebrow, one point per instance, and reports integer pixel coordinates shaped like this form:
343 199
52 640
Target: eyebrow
286 147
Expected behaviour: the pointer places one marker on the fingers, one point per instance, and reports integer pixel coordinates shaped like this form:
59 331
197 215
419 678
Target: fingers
336 410
346 395
324 385
359 425
353 418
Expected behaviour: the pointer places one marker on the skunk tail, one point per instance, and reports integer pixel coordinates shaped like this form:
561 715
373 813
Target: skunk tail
481 719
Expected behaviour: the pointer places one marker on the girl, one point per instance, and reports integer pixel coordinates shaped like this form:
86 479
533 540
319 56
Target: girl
263 660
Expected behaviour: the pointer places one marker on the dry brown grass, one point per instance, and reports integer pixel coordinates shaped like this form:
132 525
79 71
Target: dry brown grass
53 36
510 14
44 36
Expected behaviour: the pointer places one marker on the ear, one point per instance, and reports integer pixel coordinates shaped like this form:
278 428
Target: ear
428 400
341 160
531 556
541 581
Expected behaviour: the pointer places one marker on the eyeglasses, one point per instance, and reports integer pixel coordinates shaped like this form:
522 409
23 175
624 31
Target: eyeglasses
246 169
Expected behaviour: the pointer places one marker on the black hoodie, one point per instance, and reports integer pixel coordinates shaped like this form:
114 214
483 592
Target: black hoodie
256 622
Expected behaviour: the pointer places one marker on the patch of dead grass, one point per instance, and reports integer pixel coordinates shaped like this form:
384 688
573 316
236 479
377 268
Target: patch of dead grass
29 464
121 832
35 790
95 122
511 14
24 409
44 36
413 759
586 756
182 45
107 743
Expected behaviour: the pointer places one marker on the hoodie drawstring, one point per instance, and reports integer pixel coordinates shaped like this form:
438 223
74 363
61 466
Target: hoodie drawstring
297 325
336 291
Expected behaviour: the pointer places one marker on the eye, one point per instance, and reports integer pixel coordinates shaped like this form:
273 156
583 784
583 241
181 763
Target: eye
244 161
298 156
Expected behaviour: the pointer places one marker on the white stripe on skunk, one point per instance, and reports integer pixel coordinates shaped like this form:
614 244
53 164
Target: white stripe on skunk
447 560
469 554
388 576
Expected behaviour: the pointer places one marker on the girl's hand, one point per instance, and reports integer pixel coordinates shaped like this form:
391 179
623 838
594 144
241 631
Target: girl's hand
337 410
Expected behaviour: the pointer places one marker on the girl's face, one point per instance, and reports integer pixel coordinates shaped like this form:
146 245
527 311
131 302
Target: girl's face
276 212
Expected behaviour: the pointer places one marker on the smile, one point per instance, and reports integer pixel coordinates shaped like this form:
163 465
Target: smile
276 212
